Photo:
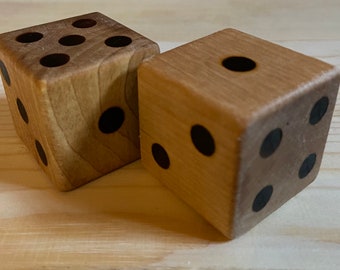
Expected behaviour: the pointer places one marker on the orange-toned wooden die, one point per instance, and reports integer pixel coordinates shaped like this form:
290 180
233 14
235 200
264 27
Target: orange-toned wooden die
235 125
72 91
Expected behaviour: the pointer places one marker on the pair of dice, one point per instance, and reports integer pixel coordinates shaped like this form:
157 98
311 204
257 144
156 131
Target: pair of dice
233 124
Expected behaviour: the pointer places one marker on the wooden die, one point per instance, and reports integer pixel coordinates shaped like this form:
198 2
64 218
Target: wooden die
72 90
235 125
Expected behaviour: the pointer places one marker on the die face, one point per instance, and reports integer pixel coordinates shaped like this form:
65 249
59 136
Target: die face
241 90
25 112
78 79
72 45
189 144
102 129
208 189
202 65
282 152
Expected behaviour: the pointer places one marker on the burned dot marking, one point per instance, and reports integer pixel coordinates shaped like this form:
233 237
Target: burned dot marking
111 120
239 63
72 40
4 73
41 152
54 60
202 140
307 165
319 110
29 37
160 156
22 111
271 143
84 23
118 41
262 198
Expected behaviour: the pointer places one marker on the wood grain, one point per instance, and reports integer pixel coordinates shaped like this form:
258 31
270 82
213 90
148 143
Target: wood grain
64 103
189 86
127 219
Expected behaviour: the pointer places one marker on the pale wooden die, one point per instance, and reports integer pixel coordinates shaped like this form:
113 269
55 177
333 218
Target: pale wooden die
72 90
235 125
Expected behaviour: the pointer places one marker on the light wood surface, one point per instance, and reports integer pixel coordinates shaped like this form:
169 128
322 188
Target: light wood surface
127 219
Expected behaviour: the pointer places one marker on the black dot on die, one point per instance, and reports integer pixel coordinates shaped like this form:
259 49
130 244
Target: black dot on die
72 40
118 41
54 60
29 37
22 111
271 142
111 120
41 152
84 23
4 73
307 165
160 156
202 140
319 110
262 198
239 63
